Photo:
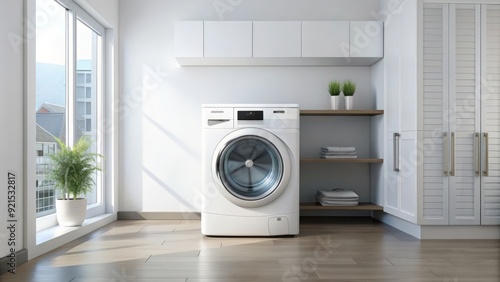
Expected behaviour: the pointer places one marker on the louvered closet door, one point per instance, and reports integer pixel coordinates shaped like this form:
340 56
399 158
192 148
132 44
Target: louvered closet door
490 123
464 112
435 105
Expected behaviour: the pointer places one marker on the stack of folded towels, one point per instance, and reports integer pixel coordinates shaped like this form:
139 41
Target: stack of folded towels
332 152
337 197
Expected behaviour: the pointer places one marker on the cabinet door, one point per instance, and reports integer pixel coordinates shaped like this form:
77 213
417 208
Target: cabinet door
408 173
490 119
401 176
325 39
189 39
228 39
366 39
277 39
435 135
464 110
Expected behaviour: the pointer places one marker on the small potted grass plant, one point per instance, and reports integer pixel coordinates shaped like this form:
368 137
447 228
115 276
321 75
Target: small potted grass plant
348 88
334 88
73 171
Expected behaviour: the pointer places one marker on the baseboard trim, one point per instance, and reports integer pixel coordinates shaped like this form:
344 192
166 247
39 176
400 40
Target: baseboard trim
134 215
398 223
481 232
21 257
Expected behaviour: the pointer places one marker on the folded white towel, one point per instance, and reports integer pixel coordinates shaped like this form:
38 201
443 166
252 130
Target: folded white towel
324 202
339 153
337 193
339 157
338 148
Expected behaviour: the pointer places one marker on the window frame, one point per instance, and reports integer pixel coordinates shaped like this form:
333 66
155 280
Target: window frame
75 13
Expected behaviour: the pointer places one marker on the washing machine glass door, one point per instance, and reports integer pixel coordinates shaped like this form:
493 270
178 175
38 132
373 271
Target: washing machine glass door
253 170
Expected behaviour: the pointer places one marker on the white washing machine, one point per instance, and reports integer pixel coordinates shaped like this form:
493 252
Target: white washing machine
250 167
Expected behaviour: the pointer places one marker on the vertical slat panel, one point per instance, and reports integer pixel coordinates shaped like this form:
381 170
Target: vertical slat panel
435 45
490 123
464 111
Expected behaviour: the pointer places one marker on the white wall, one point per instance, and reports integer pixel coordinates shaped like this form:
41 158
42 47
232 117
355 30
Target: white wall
11 115
161 102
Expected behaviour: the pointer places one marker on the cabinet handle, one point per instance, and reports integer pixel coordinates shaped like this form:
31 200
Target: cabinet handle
452 171
445 153
395 154
477 149
486 156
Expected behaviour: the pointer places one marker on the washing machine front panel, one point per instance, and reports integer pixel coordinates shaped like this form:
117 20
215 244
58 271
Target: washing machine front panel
251 167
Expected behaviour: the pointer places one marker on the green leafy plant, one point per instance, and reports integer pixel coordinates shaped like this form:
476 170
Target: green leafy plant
73 168
334 87
348 88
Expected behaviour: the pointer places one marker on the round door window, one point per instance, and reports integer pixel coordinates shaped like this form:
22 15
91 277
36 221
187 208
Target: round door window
250 167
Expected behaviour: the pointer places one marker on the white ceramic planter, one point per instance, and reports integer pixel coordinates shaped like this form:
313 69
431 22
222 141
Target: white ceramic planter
348 102
71 212
335 102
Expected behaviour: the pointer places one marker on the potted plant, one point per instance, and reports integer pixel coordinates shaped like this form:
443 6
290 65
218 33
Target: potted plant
348 88
334 88
72 171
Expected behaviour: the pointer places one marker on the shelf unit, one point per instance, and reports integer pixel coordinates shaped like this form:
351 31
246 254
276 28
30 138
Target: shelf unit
341 112
360 206
340 160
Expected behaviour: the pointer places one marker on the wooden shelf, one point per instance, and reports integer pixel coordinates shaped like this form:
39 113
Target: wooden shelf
359 207
356 160
341 112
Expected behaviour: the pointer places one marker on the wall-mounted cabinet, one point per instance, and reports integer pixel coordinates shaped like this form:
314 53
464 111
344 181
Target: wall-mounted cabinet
286 43
275 39
366 39
325 39
227 39
189 39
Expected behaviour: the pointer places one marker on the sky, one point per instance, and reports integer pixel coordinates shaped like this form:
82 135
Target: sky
50 31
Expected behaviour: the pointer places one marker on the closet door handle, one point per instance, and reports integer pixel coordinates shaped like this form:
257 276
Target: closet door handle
477 149
486 156
445 153
452 171
395 147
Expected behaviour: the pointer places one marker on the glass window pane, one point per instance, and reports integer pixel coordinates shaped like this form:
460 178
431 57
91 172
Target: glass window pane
88 108
50 98
80 92
88 54
80 108
80 78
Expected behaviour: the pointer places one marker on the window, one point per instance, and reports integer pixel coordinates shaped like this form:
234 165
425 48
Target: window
69 72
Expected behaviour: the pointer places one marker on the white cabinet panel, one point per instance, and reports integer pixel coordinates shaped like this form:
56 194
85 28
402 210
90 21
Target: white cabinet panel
464 99
435 139
401 176
325 39
490 120
189 39
228 39
366 39
277 39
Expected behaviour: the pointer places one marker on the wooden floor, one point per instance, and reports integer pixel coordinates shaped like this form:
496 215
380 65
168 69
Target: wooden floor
327 249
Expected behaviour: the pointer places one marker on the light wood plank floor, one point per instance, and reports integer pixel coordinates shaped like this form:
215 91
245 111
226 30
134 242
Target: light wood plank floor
327 249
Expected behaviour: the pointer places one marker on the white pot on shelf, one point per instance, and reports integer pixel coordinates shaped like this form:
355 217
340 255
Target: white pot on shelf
349 102
335 102
71 212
